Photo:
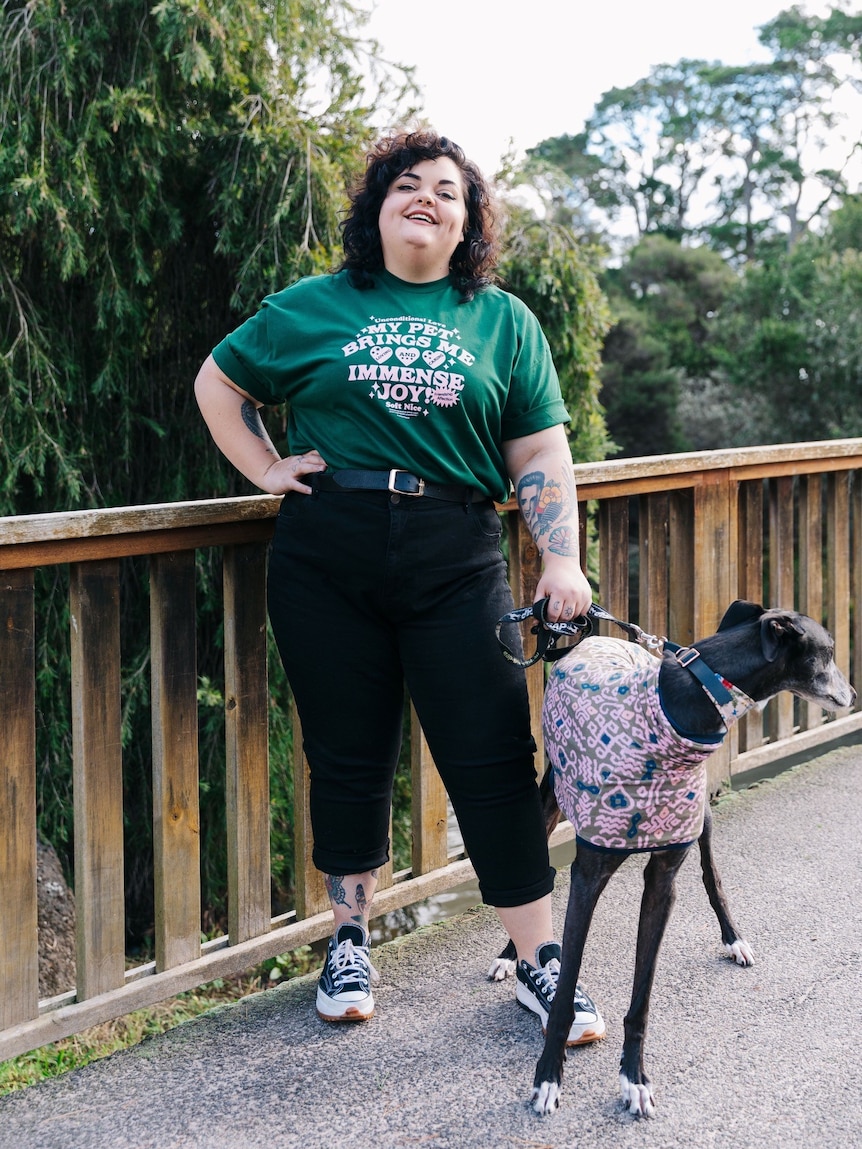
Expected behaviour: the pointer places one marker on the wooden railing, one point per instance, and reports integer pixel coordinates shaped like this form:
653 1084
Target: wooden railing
671 541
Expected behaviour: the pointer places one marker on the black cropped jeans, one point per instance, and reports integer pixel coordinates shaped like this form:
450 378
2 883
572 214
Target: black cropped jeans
369 591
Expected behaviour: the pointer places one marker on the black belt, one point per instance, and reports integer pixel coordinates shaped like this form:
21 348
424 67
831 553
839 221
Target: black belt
398 483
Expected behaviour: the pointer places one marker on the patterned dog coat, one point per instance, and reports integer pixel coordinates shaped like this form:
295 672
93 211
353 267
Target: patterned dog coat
622 775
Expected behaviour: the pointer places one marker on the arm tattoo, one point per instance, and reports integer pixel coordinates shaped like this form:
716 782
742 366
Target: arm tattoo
251 418
335 889
547 505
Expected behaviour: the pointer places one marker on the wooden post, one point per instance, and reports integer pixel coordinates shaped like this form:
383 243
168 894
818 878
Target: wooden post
98 776
838 573
176 815
856 555
654 530
428 808
681 577
750 587
311 896
780 711
715 550
247 742
19 946
810 571
614 560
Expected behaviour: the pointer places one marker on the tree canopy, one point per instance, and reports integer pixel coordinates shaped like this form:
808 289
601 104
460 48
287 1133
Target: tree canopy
732 154
724 196
162 166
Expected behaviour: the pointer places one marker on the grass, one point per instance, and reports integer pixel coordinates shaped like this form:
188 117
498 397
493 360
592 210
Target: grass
124 1032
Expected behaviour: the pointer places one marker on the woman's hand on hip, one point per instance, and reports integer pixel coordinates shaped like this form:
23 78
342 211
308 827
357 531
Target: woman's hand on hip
287 474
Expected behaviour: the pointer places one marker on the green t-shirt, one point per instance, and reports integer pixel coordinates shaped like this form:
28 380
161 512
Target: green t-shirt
401 375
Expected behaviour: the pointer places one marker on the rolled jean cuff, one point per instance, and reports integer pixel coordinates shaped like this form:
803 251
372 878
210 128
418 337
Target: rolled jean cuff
328 862
508 899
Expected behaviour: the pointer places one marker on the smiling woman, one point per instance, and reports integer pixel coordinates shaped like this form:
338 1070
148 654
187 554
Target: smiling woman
419 393
423 175
422 221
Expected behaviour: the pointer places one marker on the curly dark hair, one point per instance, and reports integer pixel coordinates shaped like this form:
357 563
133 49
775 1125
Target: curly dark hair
474 259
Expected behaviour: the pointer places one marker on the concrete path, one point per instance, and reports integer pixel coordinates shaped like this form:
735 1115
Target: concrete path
750 1058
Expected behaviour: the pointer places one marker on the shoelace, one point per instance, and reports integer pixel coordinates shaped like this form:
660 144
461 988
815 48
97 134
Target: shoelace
352 963
546 977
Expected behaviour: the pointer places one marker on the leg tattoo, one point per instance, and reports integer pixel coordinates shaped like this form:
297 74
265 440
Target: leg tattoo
335 889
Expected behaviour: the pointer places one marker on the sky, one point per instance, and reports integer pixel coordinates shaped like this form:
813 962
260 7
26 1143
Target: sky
495 74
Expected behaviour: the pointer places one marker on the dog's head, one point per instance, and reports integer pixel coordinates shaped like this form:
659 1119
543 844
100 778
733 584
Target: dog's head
799 649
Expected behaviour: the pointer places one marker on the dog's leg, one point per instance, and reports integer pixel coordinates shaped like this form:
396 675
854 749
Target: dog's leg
503 965
591 871
736 946
656 905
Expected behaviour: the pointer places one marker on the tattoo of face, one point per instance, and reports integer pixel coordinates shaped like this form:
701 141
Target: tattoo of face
251 418
529 490
545 502
335 889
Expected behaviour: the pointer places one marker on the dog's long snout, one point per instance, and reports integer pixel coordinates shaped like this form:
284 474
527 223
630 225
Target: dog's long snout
830 690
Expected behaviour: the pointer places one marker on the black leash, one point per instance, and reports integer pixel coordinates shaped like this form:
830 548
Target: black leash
548 633
728 699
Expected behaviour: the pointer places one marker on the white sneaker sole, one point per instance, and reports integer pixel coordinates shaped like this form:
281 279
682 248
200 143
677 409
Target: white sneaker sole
328 1009
581 1033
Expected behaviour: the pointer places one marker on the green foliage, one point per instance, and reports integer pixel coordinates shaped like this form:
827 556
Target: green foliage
791 335
295 963
546 266
162 169
665 297
845 225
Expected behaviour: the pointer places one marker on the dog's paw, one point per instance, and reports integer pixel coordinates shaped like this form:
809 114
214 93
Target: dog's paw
638 1099
545 1098
500 969
741 952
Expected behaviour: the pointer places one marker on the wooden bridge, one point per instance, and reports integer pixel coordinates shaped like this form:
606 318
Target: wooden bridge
669 542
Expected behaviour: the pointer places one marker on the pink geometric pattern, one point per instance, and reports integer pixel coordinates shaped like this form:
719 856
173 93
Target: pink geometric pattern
622 775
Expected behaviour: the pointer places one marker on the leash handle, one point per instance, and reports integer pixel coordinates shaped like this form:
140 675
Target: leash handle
548 633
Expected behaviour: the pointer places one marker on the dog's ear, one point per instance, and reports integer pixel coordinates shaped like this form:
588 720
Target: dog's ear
739 612
774 629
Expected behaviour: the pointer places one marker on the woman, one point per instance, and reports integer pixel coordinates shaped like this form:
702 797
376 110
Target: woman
418 393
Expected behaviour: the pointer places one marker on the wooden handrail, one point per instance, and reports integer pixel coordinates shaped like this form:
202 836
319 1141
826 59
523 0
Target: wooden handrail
669 541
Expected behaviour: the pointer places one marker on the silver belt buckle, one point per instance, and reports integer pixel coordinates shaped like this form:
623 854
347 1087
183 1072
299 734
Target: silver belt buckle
410 494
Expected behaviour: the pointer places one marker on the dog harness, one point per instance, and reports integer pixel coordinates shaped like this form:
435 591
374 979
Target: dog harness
622 774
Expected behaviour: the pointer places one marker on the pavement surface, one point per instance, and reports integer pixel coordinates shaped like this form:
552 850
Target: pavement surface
750 1058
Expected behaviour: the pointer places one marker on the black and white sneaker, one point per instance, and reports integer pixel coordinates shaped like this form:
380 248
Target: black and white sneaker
537 985
344 990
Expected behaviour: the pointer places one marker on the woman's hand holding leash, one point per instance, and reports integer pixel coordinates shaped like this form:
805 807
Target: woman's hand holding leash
566 588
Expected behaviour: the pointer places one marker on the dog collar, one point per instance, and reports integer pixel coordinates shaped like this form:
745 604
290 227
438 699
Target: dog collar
730 702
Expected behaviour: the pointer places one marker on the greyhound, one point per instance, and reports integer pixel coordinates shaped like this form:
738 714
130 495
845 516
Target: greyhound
618 724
